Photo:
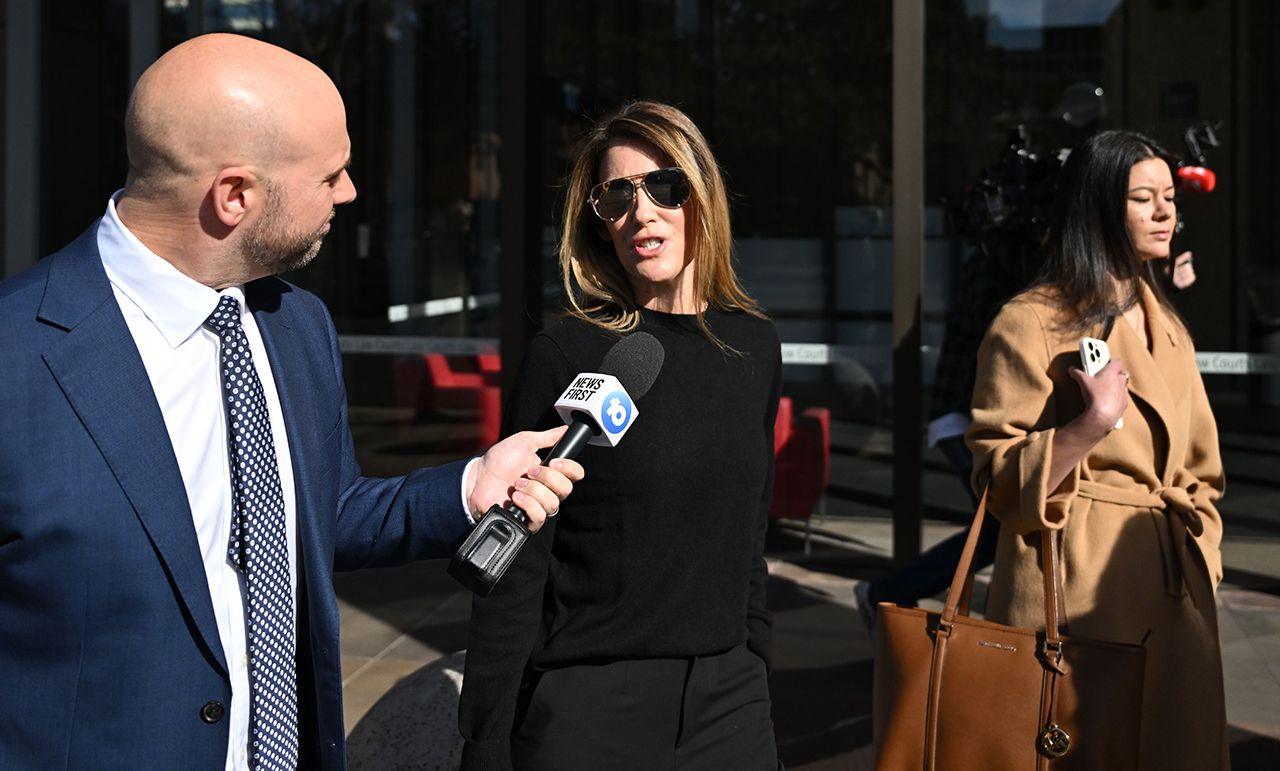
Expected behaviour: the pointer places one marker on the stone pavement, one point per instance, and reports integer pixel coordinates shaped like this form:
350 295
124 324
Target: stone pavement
402 629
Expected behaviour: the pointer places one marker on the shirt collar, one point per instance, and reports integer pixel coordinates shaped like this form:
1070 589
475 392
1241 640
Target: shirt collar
171 300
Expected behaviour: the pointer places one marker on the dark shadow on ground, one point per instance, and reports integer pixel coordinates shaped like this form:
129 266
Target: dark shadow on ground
821 680
834 553
415 725
821 712
820 685
1256 582
1252 752
405 598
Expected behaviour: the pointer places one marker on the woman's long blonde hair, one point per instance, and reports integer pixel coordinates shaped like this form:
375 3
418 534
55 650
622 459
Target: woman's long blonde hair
595 282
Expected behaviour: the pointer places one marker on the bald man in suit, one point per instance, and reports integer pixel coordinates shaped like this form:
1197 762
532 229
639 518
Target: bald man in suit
177 478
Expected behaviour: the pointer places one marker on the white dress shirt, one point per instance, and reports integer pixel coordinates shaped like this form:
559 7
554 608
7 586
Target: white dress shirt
165 311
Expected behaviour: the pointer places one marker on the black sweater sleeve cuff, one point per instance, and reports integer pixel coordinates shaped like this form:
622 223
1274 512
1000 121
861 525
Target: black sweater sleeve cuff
487 755
760 641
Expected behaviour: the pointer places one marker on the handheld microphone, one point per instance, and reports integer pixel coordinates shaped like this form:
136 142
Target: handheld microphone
599 408
1196 176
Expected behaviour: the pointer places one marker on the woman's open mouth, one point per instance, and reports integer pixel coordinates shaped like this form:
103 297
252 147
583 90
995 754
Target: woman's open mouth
648 247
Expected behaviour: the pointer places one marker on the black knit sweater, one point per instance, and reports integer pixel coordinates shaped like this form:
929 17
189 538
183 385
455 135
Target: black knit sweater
658 553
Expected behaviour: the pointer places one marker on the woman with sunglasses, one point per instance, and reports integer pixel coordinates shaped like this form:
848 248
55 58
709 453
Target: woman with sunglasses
634 633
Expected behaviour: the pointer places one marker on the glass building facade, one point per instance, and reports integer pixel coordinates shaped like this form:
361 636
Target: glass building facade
463 115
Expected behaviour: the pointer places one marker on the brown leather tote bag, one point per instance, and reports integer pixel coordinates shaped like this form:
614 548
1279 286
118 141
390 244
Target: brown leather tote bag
953 693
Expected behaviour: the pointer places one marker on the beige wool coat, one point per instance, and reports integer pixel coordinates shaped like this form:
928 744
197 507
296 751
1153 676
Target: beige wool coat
1140 531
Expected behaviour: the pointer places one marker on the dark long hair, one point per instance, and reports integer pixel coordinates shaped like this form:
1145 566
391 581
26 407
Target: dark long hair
1089 242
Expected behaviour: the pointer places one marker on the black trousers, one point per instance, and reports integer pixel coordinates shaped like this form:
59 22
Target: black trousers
685 714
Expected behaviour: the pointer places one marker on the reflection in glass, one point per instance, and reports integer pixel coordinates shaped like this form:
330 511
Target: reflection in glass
416 255
84 89
1011 85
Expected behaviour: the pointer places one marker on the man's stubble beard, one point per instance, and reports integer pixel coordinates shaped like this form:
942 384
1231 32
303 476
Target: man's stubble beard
271 246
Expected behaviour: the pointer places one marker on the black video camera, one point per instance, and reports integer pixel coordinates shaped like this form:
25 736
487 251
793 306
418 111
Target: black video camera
1012 196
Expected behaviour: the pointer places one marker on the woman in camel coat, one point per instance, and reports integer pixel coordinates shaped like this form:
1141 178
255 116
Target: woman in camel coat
1135 505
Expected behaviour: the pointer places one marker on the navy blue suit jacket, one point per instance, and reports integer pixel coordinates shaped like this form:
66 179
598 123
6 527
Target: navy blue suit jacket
108 646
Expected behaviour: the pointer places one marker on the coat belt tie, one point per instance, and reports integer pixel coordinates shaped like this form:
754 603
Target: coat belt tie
1173 515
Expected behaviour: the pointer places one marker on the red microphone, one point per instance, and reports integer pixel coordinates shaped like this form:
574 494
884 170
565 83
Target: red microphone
1197 179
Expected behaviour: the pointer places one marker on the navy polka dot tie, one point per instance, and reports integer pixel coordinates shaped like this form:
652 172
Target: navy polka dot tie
259 548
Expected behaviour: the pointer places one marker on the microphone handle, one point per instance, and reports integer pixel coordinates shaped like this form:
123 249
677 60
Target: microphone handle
580 431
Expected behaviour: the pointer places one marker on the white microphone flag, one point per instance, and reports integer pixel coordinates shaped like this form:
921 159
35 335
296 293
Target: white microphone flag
603 400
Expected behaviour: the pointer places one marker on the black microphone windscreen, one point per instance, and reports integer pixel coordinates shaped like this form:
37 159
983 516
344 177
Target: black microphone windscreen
635 361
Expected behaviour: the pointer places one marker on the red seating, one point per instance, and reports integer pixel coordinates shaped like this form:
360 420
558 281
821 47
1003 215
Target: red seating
802 463
436 383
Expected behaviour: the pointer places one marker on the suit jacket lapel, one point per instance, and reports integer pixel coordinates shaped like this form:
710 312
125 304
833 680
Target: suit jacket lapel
295 380
99 369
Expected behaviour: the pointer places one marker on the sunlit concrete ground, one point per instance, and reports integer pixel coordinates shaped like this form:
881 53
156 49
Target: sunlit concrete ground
403 628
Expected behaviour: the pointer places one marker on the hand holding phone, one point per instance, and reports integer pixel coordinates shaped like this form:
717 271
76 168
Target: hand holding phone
1094 355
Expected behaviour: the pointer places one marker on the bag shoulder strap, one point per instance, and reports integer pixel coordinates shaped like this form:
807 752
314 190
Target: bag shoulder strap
961 590
962 581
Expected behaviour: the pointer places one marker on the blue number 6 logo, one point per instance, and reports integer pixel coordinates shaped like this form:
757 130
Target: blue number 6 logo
615 413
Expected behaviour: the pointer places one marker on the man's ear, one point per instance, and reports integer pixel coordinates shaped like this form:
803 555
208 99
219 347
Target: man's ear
236 191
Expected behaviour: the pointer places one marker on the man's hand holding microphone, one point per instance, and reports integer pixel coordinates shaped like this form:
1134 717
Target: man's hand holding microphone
537 490
598 408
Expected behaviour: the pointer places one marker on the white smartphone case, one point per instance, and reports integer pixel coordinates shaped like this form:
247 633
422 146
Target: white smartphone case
1094 355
